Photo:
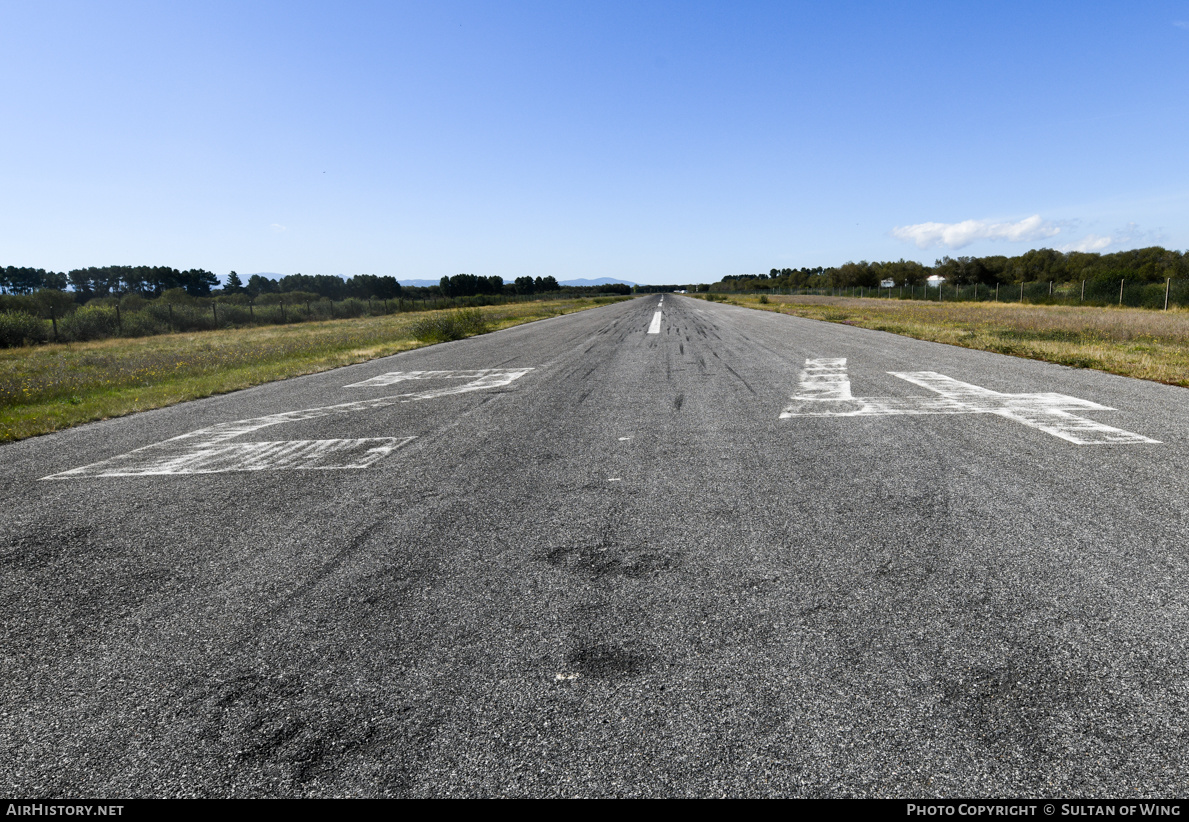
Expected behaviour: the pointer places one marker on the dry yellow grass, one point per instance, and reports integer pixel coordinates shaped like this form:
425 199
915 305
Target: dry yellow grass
51 387
1133 342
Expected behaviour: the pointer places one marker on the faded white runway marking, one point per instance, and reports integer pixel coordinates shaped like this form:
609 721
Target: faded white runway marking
211 450
194 458
480 379
825 392
655 327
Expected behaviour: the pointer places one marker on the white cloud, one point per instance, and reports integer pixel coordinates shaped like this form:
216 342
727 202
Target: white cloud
1130 235
278 228
1181 24
957 235
1091 242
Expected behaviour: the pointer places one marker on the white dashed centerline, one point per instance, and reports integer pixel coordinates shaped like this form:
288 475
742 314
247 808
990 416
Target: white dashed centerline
655 327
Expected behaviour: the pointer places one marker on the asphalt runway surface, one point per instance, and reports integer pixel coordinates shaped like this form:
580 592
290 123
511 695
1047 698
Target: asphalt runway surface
746 555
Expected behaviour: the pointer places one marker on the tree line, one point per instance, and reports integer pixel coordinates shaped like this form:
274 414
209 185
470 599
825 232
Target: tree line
108 281
467 285
1153 264
153 281
361 286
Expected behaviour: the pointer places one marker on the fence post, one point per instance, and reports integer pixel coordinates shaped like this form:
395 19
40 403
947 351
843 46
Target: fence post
1121 292
251 312
171 325
54 321
1021 292
996 291
119 321
1167 283
1082 298
215 313
1050 288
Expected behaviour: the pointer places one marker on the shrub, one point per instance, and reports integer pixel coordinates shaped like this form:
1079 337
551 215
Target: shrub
91 322
20 328
176 295
142 324
132 302
453 325
18 302
52 303
351 307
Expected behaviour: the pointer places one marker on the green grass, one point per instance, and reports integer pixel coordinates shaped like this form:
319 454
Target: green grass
50 387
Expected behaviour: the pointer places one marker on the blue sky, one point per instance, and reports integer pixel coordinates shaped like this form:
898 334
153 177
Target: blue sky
648 141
